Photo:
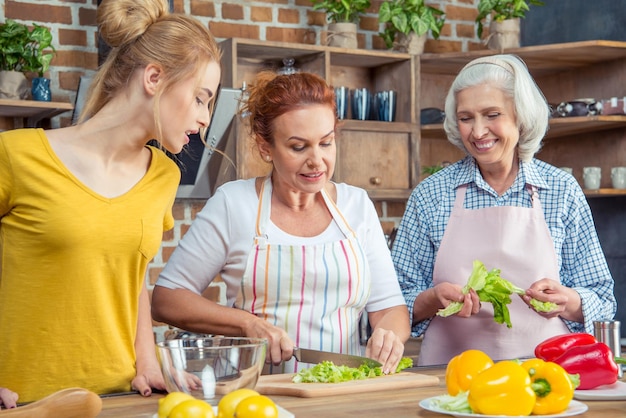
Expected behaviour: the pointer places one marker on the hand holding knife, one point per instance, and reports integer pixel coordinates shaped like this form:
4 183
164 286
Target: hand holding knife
314 357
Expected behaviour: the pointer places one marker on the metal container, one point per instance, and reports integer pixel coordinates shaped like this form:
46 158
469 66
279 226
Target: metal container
608 332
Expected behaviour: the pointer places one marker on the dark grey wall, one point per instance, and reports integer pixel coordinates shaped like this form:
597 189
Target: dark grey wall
561 21
609 214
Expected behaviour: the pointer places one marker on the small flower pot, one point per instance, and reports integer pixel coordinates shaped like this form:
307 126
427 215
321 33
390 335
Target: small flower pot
342 35
13 85
41 89
504 35
411 43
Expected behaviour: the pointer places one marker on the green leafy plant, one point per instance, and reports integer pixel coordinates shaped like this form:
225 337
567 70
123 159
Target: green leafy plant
406 16
23 50
501 10
431 169
338 11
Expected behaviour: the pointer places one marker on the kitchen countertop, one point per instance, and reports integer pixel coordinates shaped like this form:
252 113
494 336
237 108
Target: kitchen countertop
393 403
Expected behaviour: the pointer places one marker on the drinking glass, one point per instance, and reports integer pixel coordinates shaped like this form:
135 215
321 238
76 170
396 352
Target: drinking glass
361 103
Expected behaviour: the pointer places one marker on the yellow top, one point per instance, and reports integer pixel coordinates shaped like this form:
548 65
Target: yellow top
72 266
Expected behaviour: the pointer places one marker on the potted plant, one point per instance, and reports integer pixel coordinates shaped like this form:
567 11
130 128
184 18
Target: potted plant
343 17
505 21
407 23
23 50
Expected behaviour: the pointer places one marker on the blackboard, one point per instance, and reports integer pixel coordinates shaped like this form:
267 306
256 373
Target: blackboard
559 21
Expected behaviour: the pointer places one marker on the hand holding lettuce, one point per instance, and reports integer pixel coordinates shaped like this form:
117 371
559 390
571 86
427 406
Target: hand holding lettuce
492 288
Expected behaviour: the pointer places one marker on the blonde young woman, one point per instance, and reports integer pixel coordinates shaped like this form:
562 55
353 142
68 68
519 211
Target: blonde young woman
83 210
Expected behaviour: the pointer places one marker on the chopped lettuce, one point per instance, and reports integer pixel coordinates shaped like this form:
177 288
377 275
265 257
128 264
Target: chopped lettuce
492 288
458 403
405 363
328 372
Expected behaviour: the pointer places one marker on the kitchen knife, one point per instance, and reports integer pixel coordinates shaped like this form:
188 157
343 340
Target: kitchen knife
314 356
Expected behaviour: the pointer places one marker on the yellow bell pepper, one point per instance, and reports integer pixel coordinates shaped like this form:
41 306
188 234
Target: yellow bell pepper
502 389
552 385
462 369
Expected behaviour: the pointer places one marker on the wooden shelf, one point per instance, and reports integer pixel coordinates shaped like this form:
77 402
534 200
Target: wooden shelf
26 113
559 127
564 71
584 124
541 60
264 52
604 192
380 157
389 195
376 126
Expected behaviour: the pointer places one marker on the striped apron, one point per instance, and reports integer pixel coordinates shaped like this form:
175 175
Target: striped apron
316 293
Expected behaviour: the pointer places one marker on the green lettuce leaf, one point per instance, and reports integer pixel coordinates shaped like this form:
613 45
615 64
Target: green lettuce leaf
492 288
542 306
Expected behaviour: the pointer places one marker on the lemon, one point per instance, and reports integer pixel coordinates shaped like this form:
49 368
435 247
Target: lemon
257 406
228 403
194 408
172 399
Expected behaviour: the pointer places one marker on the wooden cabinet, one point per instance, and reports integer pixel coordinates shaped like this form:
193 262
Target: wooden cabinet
564 72
381 157
27 113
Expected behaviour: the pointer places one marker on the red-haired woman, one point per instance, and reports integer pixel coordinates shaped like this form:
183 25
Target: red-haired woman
303 258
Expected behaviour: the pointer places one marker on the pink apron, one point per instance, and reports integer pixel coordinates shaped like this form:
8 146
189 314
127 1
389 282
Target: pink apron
515 240
316 293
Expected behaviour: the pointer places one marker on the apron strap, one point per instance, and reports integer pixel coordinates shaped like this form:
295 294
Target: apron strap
534 197
264 211
460 196
338 217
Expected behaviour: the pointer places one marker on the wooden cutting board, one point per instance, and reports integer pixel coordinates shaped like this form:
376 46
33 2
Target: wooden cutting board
281 384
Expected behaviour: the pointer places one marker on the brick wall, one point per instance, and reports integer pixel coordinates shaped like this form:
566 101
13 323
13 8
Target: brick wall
72 23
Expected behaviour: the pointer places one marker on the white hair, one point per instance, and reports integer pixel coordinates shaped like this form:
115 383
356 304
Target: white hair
510 74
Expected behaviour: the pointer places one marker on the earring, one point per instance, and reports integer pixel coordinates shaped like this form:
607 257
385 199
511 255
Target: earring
268 158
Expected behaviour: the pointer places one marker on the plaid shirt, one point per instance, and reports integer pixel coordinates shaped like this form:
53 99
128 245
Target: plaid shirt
581 262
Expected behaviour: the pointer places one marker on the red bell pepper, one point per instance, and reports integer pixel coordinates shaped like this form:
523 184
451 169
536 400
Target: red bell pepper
594 363
553 347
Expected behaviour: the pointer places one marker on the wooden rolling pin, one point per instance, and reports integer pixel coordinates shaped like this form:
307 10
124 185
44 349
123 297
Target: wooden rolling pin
66 403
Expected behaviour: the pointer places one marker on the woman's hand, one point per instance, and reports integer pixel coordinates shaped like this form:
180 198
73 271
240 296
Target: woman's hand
280 346
147 379
447 293
8 398
390 330
385 347
567 300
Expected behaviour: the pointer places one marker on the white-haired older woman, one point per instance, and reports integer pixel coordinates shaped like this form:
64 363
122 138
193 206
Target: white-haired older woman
507 209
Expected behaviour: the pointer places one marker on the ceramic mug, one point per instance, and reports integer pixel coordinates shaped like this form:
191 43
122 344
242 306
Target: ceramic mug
618 177
386 102
591 177
341 98
361 101
614 106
